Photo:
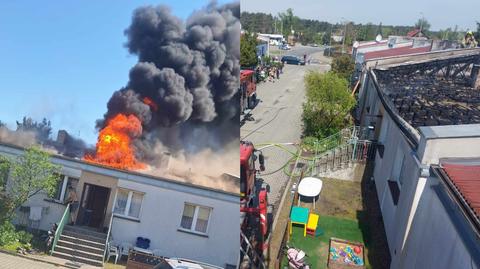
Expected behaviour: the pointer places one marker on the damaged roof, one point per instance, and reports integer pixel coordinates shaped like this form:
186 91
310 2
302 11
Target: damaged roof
432 92
225 183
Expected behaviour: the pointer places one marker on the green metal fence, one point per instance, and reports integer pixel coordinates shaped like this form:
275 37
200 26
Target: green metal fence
59 231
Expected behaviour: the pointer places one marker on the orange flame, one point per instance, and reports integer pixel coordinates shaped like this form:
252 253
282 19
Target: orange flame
150 103
114 146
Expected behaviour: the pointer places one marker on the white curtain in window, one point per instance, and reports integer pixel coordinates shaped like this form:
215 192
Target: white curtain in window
187 218
121 203
135 205
202 219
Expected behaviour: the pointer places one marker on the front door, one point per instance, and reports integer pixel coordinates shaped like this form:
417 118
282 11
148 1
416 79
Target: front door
93 205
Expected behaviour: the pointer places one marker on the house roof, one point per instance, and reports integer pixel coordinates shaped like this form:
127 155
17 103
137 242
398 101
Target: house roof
416 33
395 52
466 179
225 183
419 93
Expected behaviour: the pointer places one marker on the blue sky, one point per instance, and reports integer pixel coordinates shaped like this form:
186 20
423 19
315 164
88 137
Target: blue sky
63 59
440 13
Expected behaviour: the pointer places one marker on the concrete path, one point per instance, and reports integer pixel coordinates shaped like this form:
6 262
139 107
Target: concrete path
14 262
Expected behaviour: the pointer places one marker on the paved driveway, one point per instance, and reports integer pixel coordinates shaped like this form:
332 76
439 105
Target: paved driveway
14 262
278 119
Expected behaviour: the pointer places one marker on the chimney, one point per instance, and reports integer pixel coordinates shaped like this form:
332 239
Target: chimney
61 137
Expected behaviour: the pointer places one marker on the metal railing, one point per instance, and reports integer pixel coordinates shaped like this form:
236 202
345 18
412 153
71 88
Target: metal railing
59 231
108 238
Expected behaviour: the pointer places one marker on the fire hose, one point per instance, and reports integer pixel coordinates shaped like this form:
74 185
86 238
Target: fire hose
291 160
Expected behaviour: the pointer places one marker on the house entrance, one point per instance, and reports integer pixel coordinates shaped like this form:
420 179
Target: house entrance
93 205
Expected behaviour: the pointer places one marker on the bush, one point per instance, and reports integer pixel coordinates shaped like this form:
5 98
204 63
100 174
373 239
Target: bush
328 105
308 143
24 237
344 66
7 207
9 236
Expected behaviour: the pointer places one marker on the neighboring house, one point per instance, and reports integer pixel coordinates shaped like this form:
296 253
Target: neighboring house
272 39
422 108
417 33
183 218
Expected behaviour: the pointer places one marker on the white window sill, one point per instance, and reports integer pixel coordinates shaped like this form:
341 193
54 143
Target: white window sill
180 229
126 217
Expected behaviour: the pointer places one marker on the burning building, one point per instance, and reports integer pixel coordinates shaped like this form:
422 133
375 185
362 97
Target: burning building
163 145
181 95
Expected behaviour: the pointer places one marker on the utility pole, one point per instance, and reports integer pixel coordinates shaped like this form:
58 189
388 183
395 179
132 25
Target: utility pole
330 46
344 36
275 23
421 23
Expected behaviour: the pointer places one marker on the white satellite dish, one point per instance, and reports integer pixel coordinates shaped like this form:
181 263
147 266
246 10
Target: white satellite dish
378 38
356 44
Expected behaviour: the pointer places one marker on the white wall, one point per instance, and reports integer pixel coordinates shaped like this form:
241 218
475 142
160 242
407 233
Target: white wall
435 241
160 219
389 168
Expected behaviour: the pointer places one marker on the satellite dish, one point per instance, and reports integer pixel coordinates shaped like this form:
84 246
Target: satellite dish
356 44
378 38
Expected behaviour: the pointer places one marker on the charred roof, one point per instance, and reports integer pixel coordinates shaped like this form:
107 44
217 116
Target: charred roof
435 91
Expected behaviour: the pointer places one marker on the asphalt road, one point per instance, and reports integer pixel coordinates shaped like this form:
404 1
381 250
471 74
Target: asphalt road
277 119
298 50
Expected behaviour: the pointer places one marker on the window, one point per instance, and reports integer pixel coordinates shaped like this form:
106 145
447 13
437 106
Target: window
62 187
398 166
128 203
195 218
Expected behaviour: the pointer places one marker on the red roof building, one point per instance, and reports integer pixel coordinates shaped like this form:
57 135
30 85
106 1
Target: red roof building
466 179
395 52
416 33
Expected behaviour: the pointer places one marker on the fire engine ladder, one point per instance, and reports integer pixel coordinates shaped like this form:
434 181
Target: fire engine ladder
249 254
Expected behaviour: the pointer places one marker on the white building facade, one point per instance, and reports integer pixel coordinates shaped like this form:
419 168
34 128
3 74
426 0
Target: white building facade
181 220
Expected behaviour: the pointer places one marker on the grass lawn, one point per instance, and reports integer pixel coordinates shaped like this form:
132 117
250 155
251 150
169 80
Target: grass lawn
347 210
317 248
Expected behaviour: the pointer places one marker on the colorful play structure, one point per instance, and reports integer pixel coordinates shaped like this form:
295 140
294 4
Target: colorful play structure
309 221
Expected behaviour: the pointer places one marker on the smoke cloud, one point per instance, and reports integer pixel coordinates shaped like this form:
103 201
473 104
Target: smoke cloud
190 71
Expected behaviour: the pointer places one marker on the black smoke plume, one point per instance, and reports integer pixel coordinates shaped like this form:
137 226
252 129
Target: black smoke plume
190 70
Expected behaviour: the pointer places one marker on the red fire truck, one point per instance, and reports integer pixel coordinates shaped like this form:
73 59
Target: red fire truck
254 219
248 90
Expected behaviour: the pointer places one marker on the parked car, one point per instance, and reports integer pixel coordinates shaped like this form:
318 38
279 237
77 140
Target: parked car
284 47
289 59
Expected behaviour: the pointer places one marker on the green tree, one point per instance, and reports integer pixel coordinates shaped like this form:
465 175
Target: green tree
248 54
328 104
42 129
343 65
30 174
423 24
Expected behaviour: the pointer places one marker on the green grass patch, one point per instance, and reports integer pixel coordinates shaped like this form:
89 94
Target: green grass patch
12 247
317 248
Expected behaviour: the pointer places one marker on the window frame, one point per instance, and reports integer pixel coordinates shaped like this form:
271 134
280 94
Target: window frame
63 190
195 218
128 204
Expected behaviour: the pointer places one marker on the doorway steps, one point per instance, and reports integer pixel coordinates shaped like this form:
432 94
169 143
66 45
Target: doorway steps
81 245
